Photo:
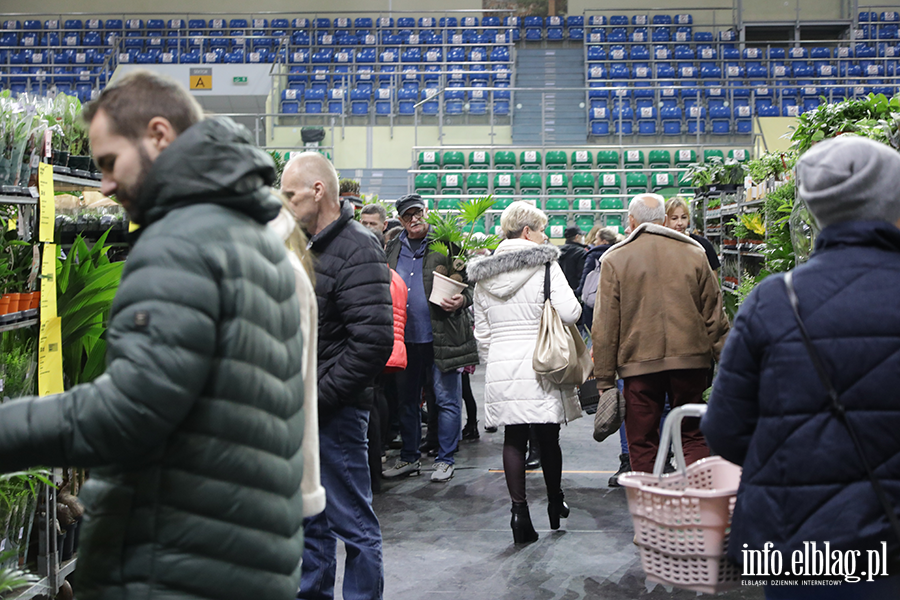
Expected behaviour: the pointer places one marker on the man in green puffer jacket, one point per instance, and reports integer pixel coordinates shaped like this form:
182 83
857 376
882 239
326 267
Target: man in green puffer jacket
194 433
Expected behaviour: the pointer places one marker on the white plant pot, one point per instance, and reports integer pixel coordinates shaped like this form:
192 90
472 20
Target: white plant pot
443 288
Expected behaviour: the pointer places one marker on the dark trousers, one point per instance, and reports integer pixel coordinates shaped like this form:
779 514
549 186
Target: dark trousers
469 401
515 439
645 397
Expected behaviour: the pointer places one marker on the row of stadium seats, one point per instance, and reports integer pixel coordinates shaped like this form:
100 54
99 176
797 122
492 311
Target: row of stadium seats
531 160
360 101
581 183
729 53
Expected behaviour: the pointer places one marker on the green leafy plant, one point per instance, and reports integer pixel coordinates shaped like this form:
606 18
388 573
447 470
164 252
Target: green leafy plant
13 578
874 116
86 283
716 172
448 233
18 499
18 365
280 161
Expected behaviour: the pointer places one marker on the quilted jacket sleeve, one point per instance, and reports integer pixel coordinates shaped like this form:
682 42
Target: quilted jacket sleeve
482 325
161 340
605 329
733 410
362 291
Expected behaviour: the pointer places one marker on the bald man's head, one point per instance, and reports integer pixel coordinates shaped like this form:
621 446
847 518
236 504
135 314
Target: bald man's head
647 208
310 183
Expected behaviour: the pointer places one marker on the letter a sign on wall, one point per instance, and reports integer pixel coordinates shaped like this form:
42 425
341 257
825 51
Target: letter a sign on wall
201 79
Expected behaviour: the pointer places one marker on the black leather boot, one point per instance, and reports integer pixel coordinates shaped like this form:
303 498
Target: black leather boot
557 508
533 460
624 467
523 530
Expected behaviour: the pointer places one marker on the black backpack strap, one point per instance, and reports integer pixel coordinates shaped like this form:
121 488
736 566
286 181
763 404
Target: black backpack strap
837 409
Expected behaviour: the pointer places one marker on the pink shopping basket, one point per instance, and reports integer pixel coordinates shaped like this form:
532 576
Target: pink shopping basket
682 520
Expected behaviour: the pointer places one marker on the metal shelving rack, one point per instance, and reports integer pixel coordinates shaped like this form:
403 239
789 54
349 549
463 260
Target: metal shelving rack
52 572
720 216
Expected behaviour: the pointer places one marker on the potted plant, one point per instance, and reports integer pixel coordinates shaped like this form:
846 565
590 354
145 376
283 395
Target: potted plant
453 235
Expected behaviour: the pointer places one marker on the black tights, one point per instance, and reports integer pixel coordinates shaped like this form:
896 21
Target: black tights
469 401
514 444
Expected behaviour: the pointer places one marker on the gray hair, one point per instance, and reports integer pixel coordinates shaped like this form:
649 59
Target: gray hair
374 209
519 215
647 214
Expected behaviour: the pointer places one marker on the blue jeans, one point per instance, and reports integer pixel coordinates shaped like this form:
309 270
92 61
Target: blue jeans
447 400
348 516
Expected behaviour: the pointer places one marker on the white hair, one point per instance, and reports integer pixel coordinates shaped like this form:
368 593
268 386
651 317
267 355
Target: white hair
647 214
518 215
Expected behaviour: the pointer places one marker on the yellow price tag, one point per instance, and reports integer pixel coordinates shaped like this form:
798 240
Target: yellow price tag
132 226
11 225
48 283
48 203
50 379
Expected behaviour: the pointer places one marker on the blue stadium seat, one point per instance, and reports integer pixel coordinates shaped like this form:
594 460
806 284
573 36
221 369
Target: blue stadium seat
670 116
314 99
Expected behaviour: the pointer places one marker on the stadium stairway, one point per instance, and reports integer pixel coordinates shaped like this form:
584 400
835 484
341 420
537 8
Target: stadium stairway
565 113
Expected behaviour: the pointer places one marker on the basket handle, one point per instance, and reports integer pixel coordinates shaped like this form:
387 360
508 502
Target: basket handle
671 435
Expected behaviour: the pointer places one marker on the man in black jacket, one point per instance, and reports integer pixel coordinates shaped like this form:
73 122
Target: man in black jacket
356 336
571 258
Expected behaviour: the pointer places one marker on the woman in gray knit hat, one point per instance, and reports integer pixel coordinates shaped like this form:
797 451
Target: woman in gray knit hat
805 482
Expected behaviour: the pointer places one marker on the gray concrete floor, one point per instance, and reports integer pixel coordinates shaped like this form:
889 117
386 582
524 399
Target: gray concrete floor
453 540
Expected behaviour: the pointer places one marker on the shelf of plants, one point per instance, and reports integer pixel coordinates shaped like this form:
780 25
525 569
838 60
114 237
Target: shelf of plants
771 227
29 519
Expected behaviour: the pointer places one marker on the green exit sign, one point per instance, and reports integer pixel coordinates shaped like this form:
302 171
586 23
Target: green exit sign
239 80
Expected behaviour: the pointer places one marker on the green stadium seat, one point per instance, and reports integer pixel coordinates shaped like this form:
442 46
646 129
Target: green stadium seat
504 181
659 159
426 183
451 183
584 204
477 184
634 159
448 204
504 159
429 160
660 180
557 183
453 160
614 221
584 222
611 204
635 183
479 159
480 226
530 159
556 160
607 159
609 183
556 203
503 201
582 159
556 227
740 155
529 181
532 200
583 183
684 158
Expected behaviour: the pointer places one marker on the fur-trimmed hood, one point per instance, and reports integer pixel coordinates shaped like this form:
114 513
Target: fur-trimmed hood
514 262
658 230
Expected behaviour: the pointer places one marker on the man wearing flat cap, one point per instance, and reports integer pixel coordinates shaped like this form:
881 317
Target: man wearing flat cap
804 481
439 340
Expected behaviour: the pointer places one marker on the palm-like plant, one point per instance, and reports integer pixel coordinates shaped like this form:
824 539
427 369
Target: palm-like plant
453 234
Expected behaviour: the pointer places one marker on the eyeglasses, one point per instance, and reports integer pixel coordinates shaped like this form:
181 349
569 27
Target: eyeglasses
411 215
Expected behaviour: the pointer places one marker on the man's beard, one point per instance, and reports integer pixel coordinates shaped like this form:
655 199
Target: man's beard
127 195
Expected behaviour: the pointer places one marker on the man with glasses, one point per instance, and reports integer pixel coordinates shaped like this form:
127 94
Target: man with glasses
438 338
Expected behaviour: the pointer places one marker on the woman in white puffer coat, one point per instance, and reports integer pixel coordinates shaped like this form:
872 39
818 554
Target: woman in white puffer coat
509 299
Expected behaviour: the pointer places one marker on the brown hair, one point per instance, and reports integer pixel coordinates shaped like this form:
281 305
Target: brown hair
135 98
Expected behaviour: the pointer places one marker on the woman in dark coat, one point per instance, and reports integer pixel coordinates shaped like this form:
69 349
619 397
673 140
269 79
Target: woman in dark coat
803 480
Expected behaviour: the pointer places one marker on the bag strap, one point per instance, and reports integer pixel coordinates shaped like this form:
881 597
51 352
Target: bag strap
547 281
837 409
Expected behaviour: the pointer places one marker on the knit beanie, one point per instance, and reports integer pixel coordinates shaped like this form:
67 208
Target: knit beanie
850 178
